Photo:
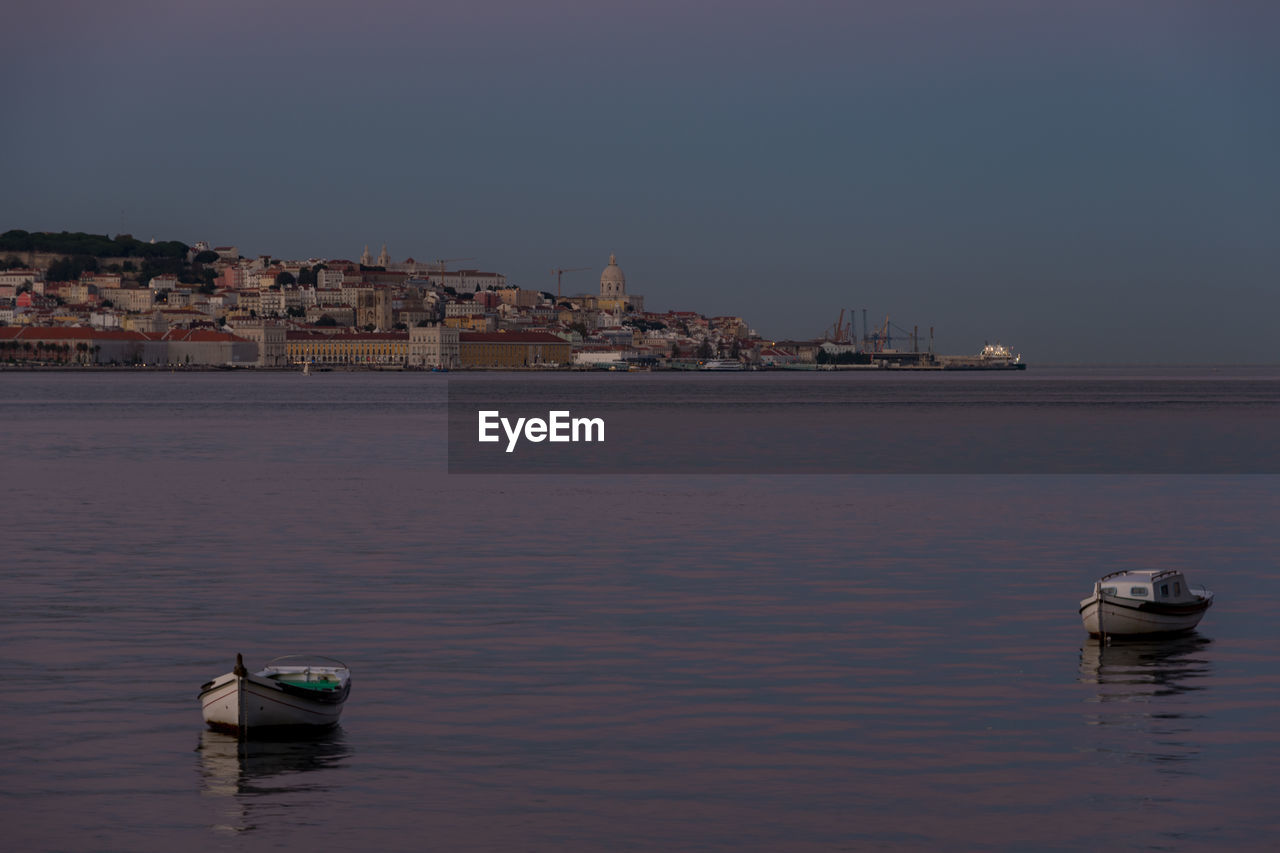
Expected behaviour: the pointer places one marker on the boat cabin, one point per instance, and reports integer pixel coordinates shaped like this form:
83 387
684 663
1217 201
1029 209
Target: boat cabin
1148 585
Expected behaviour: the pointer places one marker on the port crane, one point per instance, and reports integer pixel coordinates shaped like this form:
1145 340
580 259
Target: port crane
882 338
559 271
841 332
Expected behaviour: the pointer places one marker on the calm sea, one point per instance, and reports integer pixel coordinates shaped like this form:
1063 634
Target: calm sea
616 661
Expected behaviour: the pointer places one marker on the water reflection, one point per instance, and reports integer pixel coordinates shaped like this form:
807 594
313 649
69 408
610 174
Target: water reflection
1128 670
258 773
1140 688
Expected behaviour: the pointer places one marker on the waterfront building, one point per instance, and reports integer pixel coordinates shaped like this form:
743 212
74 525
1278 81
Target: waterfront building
433 346
270 339
208 347
82 345
512 349
309 346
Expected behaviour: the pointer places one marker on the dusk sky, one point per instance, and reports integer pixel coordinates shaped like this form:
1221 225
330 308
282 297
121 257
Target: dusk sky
1086 181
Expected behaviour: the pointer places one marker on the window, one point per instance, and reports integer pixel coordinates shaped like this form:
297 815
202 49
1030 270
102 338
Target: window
1177 588
1140 591
1110 590
1164 590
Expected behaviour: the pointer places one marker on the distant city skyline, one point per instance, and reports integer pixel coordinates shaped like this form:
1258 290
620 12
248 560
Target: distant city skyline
1090 183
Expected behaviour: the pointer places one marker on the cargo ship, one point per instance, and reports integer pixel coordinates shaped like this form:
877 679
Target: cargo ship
993 357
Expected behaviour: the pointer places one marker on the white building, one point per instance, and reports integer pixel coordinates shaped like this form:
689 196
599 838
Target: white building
19 277
433 346
469 281
133 299
329 279
270 340
613 291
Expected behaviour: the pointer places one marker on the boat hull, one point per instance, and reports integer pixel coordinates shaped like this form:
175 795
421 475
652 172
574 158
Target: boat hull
239 704
1121 617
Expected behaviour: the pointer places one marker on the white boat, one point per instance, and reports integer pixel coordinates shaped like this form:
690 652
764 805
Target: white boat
721 364
1131 603
294 690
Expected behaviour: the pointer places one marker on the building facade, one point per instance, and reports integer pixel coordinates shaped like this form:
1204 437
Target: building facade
512 349
354 348
433 346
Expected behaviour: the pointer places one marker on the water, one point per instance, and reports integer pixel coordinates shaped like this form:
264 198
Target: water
608 662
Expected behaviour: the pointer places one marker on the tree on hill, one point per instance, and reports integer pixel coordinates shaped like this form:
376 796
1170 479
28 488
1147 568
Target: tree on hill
92 245
70 269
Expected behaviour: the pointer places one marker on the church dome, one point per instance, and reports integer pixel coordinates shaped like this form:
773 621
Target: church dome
612 282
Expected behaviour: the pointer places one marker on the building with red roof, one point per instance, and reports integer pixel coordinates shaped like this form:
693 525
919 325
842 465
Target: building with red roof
84 345
512 349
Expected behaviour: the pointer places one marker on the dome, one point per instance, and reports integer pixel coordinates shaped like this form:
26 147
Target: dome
612 282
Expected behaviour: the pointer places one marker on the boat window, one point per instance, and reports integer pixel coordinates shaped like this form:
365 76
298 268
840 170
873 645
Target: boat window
1177 588
1138 590
1110 590
1164 590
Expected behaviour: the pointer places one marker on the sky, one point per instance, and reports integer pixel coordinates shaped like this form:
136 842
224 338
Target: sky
1086 182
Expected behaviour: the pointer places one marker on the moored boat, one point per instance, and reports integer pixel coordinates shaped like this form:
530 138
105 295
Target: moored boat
721 364
1150 601
290 691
